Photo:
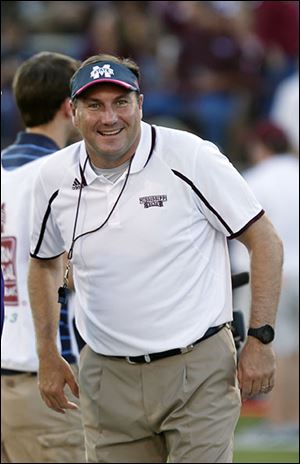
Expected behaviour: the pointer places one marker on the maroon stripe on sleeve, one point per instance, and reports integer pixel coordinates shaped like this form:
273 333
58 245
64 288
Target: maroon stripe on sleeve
236 234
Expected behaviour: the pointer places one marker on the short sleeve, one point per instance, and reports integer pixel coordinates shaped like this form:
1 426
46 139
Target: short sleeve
223 195
46 240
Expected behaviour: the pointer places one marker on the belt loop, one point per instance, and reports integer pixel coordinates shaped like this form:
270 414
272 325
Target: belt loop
186 349
147 358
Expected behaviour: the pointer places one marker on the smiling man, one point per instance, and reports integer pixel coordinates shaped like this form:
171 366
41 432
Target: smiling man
144 213
108 117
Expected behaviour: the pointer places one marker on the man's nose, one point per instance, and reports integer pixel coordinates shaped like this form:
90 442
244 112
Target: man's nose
109 116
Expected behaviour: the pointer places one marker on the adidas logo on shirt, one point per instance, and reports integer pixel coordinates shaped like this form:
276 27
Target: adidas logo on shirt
76 184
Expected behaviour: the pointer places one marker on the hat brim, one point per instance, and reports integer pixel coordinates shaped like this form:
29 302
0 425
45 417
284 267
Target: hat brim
103 80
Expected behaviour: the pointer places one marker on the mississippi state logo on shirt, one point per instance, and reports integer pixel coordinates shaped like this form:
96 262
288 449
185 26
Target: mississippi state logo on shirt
153 200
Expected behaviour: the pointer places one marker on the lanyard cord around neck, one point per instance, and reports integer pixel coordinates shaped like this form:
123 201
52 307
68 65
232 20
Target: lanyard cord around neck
62 290
74 239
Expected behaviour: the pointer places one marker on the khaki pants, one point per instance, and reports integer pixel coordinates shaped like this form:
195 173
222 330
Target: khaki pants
183 408
30 431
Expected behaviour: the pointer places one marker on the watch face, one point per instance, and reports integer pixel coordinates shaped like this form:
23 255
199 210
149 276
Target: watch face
267 334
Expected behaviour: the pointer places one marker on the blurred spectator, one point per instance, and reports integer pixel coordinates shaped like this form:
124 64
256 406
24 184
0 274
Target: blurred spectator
145 38
11 122
276 24
55 17
274 179
285 109
215 74
14 50
103 32
214 65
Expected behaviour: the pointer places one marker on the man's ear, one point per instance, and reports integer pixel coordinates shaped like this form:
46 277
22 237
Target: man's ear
73 112
66 108
140 103
73 107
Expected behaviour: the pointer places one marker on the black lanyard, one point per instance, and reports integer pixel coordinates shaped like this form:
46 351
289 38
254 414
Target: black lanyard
62 291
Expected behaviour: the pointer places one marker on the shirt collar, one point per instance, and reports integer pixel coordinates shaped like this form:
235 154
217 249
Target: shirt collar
142 155
144 149
40 140
86 172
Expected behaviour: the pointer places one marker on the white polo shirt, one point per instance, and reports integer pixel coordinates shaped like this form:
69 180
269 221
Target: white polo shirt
157 275
18 346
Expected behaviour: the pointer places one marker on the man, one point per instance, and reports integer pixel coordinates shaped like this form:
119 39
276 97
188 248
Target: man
144 214
273 176
30 431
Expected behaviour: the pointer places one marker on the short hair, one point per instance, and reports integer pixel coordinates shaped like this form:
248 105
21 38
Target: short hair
41 84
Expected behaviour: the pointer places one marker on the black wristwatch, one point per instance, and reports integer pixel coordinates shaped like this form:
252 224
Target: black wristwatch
265 333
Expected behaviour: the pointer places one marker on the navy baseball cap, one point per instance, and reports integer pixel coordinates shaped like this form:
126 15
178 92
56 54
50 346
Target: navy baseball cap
103 71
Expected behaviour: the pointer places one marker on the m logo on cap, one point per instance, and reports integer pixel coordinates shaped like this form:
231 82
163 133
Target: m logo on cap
105 71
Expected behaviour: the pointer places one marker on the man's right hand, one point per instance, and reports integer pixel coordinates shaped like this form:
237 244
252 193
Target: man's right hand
54 374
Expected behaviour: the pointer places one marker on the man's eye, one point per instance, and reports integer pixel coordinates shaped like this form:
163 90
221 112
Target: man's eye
122 102
93 106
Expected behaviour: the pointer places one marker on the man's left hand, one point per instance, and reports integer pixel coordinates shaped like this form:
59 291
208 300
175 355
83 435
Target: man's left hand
256 368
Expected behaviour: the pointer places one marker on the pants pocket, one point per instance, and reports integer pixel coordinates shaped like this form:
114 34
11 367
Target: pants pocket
62 446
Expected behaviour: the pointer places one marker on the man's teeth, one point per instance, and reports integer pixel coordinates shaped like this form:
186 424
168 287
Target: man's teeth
115 132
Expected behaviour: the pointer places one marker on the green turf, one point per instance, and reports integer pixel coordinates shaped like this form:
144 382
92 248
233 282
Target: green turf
266 456
261 456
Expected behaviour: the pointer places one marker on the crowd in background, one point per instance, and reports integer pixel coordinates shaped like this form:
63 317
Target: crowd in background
212 67
225 70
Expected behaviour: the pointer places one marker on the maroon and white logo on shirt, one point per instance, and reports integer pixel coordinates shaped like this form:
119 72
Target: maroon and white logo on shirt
8 264
3 217
153 200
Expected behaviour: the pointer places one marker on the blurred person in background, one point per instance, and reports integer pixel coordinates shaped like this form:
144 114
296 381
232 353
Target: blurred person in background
273 176
31 432
146 39
209 64
285 109
276 26
102 32
217 68
14 50
54 17
144 213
